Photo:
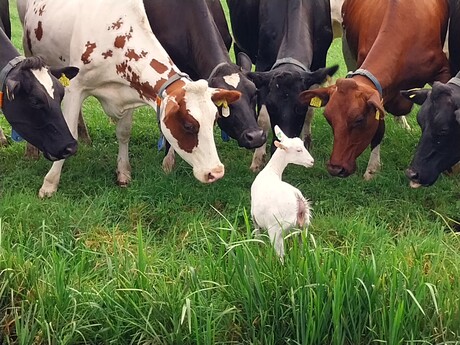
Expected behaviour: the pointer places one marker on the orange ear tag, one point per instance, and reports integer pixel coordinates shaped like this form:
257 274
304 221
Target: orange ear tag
158 101
1 99
316 102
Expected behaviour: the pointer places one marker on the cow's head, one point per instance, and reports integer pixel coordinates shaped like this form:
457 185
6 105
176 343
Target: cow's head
32 105
279 90
187 123
439 145
240 120
355 112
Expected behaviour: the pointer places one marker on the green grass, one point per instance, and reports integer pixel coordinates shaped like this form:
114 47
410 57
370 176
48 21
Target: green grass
172 261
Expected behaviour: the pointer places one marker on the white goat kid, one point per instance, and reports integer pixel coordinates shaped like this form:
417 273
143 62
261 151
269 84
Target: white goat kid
276 205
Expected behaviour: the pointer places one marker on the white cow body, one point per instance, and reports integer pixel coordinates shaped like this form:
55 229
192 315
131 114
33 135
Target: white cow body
277 206
124 66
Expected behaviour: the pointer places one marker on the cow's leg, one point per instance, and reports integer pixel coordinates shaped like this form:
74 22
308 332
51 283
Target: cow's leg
83 133
124 125
374 164
258 159
402 121
3 140
31 152
71 105
169 161
374 160
306 129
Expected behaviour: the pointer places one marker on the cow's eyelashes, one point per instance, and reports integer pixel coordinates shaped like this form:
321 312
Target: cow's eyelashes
35 102
358 122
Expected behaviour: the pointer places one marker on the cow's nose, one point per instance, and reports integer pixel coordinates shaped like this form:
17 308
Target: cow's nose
411 174
70 149
215 174
253 138
337 170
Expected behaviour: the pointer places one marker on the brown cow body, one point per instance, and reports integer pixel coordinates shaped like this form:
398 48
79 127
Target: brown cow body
400 43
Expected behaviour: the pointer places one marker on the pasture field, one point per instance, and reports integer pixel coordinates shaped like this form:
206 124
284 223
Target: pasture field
171 261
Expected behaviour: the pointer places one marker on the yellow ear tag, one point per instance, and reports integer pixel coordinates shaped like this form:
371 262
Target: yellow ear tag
225 110
377 114
316 102
64 80
412 96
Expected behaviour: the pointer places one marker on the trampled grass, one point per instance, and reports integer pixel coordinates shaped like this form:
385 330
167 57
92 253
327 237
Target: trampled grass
170 261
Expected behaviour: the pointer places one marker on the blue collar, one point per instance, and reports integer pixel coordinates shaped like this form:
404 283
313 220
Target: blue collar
370 76
289 61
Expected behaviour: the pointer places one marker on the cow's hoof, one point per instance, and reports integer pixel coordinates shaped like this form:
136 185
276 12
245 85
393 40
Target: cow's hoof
369 175
123 179
168 164
31 152
46 191
257 164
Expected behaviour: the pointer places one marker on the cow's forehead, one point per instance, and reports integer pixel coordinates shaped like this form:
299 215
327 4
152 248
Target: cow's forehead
197 99
44 78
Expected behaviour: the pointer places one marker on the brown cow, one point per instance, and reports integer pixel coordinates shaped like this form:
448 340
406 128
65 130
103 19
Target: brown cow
397 45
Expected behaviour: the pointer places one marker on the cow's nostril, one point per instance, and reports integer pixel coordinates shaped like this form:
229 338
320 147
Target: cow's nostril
411 174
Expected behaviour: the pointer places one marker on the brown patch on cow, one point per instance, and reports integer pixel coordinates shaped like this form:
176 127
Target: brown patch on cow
41 10
159 84
171 73
132 55
117 24
158 66
176 116
89 50
119 42
121 68
29 42
108 53
39 31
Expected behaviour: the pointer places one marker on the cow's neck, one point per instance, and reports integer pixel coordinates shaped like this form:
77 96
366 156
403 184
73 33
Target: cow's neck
297 41
7 52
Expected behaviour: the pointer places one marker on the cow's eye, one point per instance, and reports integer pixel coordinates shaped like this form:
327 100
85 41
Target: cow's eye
35 102
189 127
358 122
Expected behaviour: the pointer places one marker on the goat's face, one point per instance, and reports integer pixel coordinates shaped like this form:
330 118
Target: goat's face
294 149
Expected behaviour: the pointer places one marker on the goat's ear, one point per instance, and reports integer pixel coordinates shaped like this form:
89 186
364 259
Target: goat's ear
279 145
279 133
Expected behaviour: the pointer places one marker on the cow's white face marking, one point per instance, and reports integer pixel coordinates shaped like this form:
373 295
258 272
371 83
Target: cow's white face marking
44 78
232 79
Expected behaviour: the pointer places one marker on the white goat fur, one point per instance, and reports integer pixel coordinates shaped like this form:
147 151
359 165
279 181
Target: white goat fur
276 206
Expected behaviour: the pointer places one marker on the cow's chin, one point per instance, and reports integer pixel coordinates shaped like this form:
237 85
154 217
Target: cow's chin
414 184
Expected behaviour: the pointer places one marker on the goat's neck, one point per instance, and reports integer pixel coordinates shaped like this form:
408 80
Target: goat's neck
277 163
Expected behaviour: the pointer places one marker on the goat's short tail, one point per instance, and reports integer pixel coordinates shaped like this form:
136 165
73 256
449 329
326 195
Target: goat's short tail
303 211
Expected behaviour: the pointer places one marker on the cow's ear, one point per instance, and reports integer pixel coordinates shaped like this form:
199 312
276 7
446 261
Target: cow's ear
69 71
261 79
244 62
319 76
222 97
375 102
457 115
316 98
417 96
12 88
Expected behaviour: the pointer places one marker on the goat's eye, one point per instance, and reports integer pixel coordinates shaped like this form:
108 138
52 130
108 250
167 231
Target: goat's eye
299 150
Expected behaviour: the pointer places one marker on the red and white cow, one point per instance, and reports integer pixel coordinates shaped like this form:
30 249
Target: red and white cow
393 52
124 66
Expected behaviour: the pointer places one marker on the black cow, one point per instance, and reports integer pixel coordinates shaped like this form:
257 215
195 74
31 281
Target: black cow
454 34
439 117
286 40
31 97
197 48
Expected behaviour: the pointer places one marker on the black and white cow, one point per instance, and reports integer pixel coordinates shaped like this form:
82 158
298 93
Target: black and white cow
31 96
439 117
288 42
